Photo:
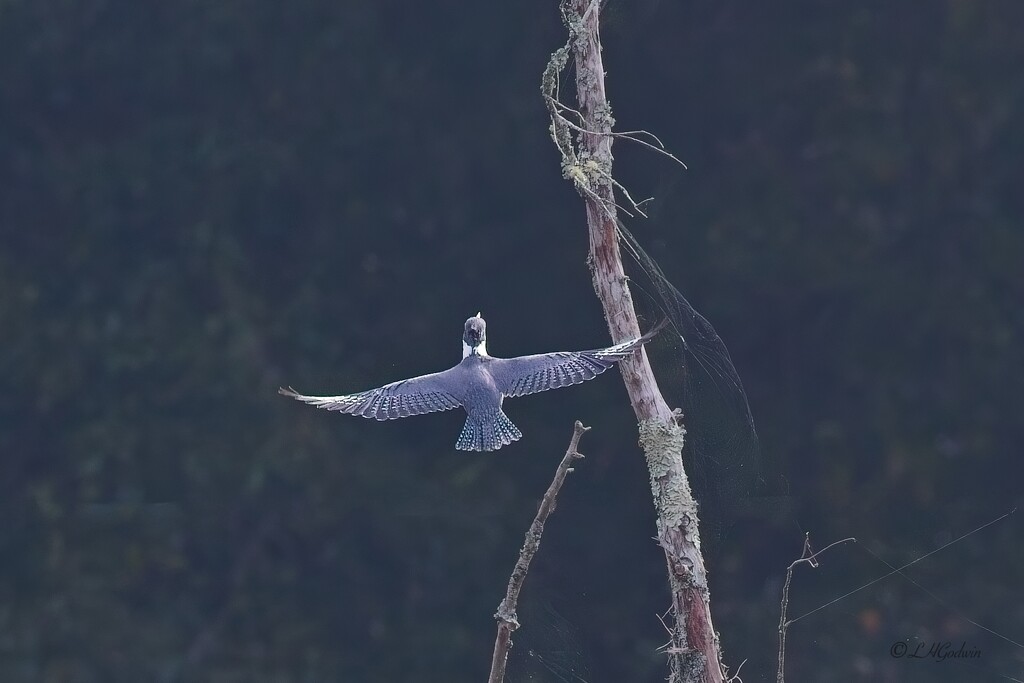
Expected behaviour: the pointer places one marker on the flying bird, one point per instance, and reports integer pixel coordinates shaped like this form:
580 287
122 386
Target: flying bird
479 383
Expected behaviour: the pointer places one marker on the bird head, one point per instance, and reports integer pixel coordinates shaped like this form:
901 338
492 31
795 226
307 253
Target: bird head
474 338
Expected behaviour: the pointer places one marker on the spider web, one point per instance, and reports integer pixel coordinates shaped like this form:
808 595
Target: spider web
548 648
722 454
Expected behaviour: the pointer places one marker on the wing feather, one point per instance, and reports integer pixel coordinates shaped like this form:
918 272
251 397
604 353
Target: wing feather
531 374
416 396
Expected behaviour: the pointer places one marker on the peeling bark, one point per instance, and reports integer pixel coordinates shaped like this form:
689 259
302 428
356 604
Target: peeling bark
694 654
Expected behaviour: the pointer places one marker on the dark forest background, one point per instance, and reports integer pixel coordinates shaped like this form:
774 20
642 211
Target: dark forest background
201 201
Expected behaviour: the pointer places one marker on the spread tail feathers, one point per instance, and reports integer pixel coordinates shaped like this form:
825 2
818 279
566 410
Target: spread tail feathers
487 432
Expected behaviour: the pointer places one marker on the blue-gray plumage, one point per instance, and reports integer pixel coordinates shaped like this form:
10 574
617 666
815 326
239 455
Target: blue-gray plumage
479 384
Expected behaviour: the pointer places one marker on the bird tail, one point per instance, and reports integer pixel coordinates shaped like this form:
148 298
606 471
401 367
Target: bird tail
487 432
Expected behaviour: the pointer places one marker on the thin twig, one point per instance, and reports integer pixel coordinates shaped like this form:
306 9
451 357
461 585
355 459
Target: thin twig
579 174
735 678
579 177
810 557
898 570
625 134
506 614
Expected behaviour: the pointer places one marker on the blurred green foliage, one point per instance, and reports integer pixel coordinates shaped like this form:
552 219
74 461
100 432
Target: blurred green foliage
202 201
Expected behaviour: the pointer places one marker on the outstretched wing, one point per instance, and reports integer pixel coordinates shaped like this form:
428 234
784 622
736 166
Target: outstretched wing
425 394
530 374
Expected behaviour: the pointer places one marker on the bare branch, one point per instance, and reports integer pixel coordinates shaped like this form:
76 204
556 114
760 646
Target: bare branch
586 157
506 614
808 556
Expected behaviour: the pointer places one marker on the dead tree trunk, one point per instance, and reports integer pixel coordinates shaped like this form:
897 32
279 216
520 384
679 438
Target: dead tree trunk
694 654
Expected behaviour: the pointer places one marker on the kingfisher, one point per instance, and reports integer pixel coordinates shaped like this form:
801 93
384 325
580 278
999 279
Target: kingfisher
479 383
